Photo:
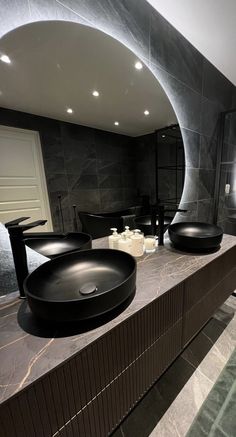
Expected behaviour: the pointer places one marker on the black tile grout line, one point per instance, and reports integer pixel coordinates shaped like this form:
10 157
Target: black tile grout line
74 12
201 134
93 25
117 376
160 67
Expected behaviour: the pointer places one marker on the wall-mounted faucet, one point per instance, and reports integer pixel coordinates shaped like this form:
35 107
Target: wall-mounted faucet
16 233
160 210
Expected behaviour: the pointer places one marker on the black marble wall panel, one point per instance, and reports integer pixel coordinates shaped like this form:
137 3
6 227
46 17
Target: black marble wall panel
197 90
90 168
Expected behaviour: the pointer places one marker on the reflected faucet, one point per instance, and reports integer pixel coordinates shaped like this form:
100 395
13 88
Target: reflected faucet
16 234
160 210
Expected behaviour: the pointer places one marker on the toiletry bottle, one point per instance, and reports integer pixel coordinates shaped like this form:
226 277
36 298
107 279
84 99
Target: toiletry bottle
125 243
128 232
113 239
137 245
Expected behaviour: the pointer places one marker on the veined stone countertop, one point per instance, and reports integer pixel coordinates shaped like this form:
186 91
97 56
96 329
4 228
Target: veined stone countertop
28 350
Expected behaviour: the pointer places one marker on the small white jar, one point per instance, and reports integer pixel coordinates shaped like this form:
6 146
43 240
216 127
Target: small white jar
150 243
125 244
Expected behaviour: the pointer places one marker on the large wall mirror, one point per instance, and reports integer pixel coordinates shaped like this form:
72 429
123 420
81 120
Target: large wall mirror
109 136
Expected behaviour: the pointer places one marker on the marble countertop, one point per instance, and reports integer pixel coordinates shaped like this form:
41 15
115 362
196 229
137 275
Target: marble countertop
28 350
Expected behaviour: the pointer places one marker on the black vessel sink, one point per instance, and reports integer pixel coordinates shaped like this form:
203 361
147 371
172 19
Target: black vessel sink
81 285
52 244
195 236
144 223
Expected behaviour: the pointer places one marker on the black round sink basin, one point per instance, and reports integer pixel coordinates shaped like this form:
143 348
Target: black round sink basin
144 223
52 245
81 285
195 236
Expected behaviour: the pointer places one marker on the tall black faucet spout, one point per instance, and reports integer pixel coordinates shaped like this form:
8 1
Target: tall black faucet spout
16 234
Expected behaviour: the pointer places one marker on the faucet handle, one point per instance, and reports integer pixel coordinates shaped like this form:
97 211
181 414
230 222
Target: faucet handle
28 226
17 229
16 221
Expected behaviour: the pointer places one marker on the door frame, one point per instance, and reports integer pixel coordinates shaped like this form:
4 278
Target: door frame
39 157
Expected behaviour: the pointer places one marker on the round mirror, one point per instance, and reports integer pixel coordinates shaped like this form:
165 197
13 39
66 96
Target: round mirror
85 126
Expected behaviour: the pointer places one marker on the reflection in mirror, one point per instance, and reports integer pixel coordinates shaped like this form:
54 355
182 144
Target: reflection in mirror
109 136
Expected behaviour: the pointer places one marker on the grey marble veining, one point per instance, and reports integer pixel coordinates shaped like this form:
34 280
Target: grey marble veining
192 154
215 85
187 62
28 350
126 20
185 101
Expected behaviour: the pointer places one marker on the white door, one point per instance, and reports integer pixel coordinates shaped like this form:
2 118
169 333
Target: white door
23 190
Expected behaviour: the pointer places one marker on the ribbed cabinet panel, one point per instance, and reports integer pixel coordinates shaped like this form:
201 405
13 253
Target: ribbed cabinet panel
197 316
122 394
198 285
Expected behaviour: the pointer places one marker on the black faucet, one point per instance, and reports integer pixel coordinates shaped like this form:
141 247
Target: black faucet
16 234
160 210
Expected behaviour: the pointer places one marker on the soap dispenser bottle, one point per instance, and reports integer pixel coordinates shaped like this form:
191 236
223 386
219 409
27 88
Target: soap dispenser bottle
125 243
128 232
137 243
113 239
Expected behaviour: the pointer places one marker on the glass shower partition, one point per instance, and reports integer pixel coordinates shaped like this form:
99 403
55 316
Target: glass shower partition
226 180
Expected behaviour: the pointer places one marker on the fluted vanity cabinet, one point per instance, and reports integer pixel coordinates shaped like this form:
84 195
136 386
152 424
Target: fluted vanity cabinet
205 291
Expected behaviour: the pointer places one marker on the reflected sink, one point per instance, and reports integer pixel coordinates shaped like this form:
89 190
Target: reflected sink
195 236
144 223
81 285
52 244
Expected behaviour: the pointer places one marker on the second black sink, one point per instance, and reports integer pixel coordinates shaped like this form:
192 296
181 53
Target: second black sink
195 236
52 244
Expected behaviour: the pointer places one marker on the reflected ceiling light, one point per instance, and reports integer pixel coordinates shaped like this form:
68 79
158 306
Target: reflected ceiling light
5 58
69 110
116 123
146 112
95 93
138 65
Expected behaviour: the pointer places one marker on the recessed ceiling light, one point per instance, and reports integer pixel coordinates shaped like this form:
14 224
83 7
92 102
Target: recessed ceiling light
116 123
138 65
69 110
95 93
163 136
6 59
146 112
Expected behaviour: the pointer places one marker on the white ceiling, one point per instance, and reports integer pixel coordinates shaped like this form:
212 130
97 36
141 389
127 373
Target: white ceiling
56 65
210 25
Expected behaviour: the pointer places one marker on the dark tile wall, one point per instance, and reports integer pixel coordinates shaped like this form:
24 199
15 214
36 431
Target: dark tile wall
227 201
196 89
93 169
